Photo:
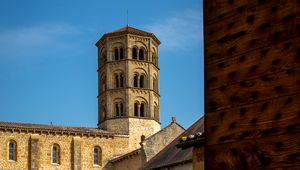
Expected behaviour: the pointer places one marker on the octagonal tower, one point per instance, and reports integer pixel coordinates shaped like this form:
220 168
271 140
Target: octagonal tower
128 83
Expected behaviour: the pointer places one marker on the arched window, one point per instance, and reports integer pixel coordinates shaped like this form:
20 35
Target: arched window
12 150
121 80
136 109
117 81
135 80
121 109
141 54
155 112
102 83
155 84
116 54
121 54
134 53
55 154
142 79
117 109
142 110
97 156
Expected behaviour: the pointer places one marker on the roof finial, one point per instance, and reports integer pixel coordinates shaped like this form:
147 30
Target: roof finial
127 19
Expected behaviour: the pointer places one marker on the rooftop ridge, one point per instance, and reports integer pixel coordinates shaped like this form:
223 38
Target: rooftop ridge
28 127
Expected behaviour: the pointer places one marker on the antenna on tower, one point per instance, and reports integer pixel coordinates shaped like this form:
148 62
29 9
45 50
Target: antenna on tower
127 18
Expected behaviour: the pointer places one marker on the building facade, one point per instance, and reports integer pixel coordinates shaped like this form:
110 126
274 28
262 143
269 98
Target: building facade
128 115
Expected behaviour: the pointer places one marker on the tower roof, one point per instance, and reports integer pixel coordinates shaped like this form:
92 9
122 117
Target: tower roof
128 30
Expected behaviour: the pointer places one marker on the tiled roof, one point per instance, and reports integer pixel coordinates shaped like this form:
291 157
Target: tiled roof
171 155
129 30
52 128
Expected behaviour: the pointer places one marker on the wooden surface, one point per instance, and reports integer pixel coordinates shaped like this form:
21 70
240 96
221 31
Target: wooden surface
252 84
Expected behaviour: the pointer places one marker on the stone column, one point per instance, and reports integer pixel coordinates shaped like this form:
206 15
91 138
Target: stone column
76 153
34 152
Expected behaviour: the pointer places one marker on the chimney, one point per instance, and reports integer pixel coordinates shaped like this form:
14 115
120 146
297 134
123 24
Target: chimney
174 119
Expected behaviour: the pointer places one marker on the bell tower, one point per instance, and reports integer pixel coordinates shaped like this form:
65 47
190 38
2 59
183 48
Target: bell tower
128 83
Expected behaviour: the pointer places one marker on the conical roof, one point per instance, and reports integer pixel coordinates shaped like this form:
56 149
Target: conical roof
128 30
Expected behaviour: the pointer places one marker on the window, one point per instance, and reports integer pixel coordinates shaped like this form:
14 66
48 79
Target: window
97 155
135 80
141 54
117 81
117 109
134 53
155 84
12 150
142 81
139 109
55 154
102 83
121 109
121 54
142 110
156 116
116 54
136 109
121 80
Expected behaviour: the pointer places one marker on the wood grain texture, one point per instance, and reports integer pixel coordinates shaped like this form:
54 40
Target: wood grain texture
252 84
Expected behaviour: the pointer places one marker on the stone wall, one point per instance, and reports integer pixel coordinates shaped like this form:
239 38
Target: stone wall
133 161
155 143
139 127
76 152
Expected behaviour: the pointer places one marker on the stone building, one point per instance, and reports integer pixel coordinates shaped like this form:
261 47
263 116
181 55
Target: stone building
181 154
128 116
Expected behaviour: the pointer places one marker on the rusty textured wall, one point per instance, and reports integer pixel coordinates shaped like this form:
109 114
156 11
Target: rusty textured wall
252 72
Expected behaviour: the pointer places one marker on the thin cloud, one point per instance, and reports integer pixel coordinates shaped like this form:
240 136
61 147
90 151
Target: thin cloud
178 31
35 41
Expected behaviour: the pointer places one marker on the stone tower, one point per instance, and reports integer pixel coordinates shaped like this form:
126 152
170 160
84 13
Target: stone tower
128 83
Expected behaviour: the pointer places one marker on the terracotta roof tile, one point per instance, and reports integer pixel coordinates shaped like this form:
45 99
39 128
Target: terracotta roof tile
129 30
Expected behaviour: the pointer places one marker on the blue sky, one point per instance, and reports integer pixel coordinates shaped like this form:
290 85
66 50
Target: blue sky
48 59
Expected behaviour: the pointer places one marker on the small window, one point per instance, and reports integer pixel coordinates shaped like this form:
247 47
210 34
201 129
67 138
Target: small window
135 81
117 81
55 154
155 84
121 80
142 110
12 151
134 53
141 54
117 109
142 81
136 109
121 109
116 54
97 155
121 54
